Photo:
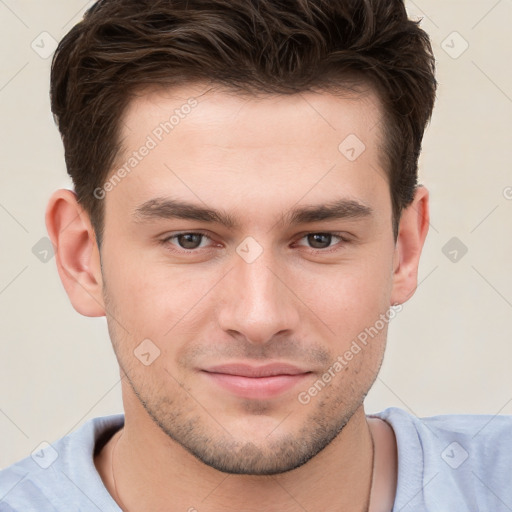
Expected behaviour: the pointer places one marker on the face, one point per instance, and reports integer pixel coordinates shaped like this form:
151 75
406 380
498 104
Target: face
245 253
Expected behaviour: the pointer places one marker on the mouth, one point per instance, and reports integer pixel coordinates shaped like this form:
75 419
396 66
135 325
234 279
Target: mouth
256 382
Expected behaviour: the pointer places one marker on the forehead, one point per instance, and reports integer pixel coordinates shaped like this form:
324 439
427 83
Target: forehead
291 114
208 144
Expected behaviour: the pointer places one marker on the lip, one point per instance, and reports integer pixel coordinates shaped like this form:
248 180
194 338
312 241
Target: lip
256 382
247 370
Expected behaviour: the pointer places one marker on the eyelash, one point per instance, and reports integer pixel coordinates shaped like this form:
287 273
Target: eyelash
343 240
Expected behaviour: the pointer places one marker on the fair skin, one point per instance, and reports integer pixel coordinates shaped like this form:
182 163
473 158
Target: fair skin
217 439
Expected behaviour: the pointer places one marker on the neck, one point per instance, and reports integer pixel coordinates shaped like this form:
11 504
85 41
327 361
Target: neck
151 471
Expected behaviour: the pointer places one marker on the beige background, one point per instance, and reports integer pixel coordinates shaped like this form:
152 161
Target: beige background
449 351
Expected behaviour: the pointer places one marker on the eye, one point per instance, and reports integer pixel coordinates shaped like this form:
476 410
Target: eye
191 241
322 241
186 241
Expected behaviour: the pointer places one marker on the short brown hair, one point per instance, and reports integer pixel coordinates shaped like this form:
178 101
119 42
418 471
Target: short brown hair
255 46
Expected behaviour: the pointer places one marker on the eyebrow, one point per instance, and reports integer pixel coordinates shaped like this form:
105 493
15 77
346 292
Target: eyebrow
168 208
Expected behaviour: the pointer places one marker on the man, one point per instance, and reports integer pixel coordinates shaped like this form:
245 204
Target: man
247 216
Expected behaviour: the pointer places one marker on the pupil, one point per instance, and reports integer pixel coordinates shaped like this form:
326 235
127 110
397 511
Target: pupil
190 240
319 238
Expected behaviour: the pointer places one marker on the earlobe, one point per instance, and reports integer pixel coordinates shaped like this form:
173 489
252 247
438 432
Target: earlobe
76 252
412 233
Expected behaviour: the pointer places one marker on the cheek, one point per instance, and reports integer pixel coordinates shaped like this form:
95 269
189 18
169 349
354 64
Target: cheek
350 298
153 298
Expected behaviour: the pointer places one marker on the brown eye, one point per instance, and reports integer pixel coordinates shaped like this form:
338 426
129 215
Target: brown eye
189 240
319 240
324 242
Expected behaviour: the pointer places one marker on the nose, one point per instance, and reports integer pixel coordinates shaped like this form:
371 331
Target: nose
257 301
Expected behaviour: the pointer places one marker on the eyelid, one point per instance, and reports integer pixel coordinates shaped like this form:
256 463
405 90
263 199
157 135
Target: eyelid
338 234
343 236
176 234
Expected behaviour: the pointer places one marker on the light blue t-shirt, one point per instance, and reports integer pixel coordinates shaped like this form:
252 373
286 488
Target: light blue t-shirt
459 463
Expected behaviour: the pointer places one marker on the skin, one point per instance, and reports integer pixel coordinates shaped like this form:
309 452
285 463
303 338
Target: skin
187 442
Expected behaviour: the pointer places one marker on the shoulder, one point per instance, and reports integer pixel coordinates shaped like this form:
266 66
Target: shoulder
476 433
464 460
61 475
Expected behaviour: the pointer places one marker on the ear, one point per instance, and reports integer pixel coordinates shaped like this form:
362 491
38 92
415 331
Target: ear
76 252
413 229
